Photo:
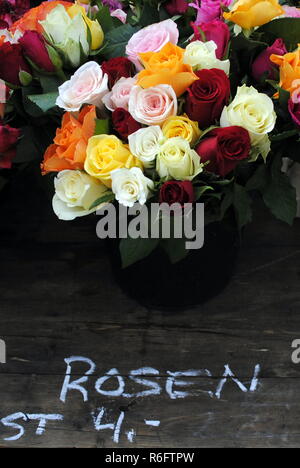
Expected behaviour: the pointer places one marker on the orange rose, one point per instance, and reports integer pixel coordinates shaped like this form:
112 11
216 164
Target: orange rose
166 67
289 69
70 142
30 21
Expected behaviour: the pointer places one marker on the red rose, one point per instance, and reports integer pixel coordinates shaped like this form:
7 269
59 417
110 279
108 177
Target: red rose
124 123
11 63
176 7
216 31
34 48
262 65
175 191
294 109
207 97
117 68
8 140
224 148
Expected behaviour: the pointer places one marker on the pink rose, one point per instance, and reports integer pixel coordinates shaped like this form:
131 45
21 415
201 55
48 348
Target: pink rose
120 14
216 31
208 10
151 39
291 12
119 94
152 106
262 65
294 105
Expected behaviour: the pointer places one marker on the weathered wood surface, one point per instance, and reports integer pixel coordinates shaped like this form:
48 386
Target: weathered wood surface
58 299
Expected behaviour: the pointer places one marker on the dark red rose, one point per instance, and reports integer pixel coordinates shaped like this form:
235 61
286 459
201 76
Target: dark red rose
207 97
294 109
12 62
124 123
34 48
262 65
175 191
8 140
224 148
176 7
117 68
216 31
12 10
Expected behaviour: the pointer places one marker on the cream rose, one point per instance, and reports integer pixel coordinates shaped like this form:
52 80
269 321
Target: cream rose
177 160
75 192
202 55
151 39
88 85
119 95
145 143
251 110
131 186
153 105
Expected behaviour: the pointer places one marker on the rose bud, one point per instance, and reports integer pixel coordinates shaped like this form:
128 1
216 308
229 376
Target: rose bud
216 31
117 68
12 63
175 191
8 140
262 65
124 123
176 7
207 97
224 148
34 48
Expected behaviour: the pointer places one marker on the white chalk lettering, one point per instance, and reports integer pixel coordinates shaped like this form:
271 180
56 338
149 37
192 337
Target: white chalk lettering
75 385
110 374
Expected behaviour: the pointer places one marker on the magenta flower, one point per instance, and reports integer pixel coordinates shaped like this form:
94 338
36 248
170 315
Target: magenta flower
209 10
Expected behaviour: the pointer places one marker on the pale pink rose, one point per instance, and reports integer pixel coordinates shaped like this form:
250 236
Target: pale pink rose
152 106
88 85
291 12
151 39
209 10
120 14
119 95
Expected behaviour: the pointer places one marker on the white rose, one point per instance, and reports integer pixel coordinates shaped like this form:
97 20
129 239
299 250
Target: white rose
145 143
75 192
202 55
119 94
153 105
68 35
131 186
88 85
177 160
251 110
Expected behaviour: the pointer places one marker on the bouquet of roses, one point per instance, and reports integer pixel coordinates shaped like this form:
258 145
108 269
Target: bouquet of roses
166 102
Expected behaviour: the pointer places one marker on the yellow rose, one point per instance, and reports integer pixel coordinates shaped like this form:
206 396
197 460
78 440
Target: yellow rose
94 26
105 153
251 13
181 126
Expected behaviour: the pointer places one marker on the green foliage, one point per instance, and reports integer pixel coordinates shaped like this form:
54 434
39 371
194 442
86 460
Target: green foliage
116 41
286 28
133 250
44 102
175 249
242 205
102 126
106 198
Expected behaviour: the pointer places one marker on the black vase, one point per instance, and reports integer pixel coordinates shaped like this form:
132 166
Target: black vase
156 283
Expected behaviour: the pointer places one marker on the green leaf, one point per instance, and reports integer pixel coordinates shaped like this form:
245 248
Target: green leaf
117 40
44 101
25 78
286 28
133 250
49 84
242 205
102 126
199 191
27 149
284 97
226 203
259 179
284 135
104 18
279 195
149 15
107 197
175 249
